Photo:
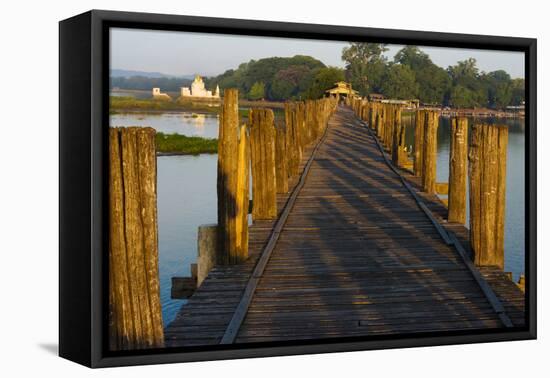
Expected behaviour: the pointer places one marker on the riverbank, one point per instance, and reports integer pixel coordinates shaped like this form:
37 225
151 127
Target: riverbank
477 112
482 113
120 104
130 103
176 144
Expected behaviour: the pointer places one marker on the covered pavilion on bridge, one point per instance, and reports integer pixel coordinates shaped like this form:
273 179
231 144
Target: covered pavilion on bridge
342 89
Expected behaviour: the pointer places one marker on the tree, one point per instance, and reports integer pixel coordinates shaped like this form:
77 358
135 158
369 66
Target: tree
281 89
412 56
363 60
283 78
465 73
468 85
375 73
518 92
433 81
286 82
400 82
462 97
499 88
257 92
324 79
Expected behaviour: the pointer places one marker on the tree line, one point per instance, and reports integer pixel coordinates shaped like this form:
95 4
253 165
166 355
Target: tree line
167 84
410 75
279 79
413 75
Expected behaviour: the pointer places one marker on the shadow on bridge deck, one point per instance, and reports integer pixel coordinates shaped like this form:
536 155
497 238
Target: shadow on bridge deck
357 257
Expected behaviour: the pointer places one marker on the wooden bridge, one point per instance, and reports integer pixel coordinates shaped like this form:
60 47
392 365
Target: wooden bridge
357 249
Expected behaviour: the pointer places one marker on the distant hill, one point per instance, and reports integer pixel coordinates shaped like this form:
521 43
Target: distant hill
151 75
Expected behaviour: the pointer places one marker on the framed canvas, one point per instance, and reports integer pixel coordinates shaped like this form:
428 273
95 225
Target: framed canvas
235 188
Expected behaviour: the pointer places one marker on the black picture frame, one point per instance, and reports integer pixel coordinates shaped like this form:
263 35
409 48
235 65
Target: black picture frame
83 144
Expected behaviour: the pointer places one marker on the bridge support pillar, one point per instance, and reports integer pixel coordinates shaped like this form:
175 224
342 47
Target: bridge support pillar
399 151
135 316
429 152
233 182
487 156
262 152
458 170
420 118
281 161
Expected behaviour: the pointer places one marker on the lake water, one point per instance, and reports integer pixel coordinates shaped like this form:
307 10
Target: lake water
185 123
187 193
186 199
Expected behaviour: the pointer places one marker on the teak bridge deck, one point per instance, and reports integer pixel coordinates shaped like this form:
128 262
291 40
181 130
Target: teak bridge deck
356 256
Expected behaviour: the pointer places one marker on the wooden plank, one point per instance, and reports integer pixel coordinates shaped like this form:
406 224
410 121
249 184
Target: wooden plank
487 290
420 203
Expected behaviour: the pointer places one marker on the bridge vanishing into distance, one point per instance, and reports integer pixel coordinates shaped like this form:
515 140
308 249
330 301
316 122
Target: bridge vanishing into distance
358 248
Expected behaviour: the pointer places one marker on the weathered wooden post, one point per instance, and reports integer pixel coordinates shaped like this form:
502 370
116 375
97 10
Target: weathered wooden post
281 162
240 253
372 116
308 123
262 153
135 316
385 119
399 152
379 123
316 122
300 133
458 170
382 123
388 133
420 118
301 127
475 166
232 182
429 154
391 127
291 140
207 244
487 155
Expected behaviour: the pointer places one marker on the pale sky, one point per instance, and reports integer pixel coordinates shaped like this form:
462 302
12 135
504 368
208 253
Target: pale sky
185 53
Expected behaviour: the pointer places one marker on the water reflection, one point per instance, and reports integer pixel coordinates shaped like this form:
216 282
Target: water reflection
185 123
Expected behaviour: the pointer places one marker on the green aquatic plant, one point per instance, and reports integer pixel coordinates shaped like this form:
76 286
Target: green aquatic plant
178 144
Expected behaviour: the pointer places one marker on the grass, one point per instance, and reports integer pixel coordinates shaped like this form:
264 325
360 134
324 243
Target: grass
184 145
121 103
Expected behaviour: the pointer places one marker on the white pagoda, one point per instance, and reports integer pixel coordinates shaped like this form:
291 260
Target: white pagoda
198 90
